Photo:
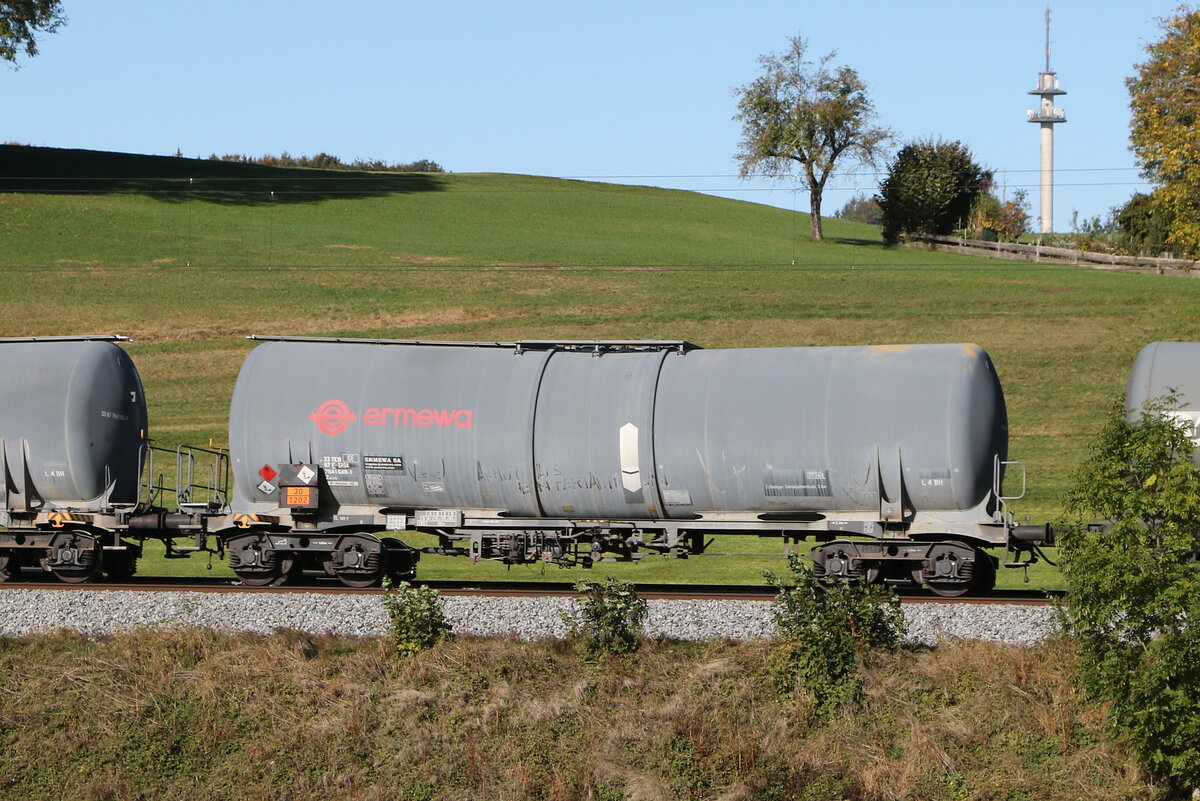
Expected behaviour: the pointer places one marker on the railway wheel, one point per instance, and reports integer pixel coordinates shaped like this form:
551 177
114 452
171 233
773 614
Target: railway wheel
270 575
10 565
359 560
120 565
401 560
358 580
954 577
74 557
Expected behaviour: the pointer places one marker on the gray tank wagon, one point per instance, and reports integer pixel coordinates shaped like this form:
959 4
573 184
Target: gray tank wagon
893 457
80 488
1164 366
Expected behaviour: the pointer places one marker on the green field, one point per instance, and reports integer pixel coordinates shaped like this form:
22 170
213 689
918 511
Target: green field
189 256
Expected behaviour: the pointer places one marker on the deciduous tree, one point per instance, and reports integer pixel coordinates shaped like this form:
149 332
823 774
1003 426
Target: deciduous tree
21 21
1146 223
807 115
863 209
1164 97
1005 221
929 189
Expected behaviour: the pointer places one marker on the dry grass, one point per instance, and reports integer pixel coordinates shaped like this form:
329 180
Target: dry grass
204 716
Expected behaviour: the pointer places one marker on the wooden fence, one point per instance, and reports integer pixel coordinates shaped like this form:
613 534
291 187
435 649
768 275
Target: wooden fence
1044 253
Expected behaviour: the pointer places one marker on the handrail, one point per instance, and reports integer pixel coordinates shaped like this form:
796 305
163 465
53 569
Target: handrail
212 491
209 490
520 345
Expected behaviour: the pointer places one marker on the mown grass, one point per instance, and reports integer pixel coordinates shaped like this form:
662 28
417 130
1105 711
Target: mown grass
199 715
188 272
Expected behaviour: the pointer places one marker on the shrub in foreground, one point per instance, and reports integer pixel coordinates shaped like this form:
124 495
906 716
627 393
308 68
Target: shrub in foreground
415 615
825 632
609 620
1133 585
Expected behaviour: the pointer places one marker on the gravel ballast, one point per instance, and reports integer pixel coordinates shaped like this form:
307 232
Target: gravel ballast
99 612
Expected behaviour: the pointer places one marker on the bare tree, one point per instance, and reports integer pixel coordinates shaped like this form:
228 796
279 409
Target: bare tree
806 114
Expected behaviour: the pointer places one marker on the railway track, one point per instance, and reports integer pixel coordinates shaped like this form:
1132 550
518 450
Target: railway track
517 589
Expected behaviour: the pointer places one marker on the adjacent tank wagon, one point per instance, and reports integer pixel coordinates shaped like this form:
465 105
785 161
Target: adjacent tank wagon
72 440
1162 367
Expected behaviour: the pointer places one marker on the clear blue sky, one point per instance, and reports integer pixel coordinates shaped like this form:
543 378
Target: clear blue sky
634 92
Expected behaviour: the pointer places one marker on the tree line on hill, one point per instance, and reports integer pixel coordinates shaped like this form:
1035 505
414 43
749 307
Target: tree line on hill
325 161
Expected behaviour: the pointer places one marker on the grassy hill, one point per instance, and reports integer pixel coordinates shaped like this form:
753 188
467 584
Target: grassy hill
218 215
188 256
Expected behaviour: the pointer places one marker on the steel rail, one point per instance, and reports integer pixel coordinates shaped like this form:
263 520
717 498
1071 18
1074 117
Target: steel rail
518 589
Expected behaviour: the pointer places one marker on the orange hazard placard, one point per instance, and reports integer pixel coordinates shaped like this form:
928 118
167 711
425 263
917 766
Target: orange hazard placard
299 496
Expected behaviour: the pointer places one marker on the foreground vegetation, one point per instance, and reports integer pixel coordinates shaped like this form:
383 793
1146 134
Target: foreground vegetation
193 714
1134 583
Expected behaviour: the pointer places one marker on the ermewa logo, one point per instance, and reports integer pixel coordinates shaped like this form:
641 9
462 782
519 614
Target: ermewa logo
334 417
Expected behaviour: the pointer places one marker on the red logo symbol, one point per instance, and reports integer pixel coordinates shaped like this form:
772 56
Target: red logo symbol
333 416
267 472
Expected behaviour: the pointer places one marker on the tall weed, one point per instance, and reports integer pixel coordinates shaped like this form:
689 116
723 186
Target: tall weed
823 633
416 618
609 620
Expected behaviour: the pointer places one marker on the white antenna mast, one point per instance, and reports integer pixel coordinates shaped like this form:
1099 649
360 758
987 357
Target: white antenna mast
1047 115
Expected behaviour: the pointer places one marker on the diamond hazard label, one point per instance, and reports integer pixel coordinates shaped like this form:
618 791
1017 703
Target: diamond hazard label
267 472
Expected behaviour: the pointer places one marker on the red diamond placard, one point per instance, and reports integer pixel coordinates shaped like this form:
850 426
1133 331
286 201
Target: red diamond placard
267 472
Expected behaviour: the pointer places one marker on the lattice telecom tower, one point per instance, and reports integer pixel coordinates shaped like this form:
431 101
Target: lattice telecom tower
1047 115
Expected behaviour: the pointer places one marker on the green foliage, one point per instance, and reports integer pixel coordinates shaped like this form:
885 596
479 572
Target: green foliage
1012 218
1146 223
995 221
984 208
863 209
21 21
609 618
1096 225
824 634
1162 99
1134 583
929 189
416 618
806 114
1100 234
420 165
